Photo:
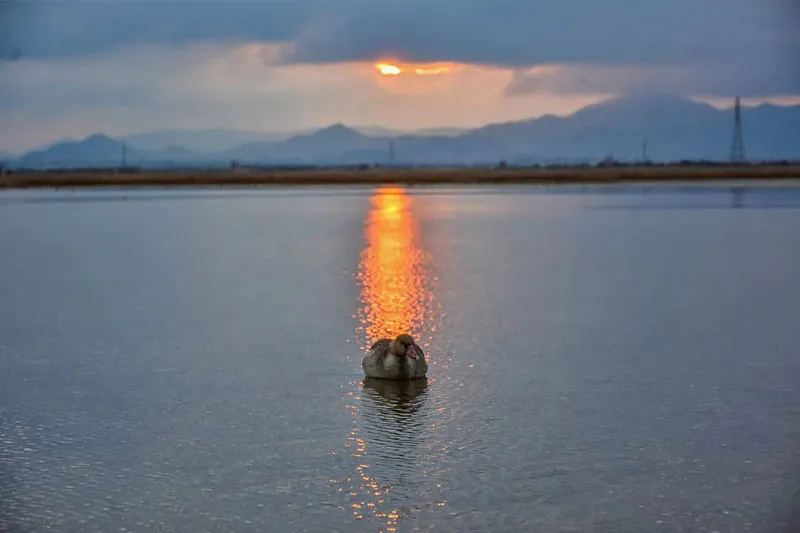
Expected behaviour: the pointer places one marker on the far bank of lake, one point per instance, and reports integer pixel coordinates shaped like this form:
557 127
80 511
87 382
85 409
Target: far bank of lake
781 175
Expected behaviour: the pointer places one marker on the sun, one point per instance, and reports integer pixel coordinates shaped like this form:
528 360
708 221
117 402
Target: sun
387 69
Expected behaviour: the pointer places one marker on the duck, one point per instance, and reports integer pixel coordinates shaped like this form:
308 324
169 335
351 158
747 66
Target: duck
399 359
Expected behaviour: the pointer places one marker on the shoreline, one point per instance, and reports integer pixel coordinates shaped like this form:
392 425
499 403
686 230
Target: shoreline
731 176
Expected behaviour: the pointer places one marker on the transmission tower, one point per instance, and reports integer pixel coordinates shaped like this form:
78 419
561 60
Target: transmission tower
737 144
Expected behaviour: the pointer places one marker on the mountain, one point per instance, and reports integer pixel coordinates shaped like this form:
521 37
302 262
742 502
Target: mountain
380 131
256 151
674 129
96 149
327 144
770 131
202 141
440 132
100 150
335 144
208 141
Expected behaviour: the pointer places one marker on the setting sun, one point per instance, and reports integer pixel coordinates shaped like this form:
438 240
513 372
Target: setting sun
387 69
425 69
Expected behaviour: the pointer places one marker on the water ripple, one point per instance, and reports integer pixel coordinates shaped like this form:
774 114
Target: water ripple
394 474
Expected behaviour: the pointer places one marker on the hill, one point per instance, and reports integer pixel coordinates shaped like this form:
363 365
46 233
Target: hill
674 128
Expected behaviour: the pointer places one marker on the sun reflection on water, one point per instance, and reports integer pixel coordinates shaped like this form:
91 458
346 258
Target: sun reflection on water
387 438
396 296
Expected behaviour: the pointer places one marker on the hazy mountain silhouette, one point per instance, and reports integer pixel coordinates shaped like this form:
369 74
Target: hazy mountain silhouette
100 151
225 139
256 151
380 131
675 129
327 144
202 141
95 149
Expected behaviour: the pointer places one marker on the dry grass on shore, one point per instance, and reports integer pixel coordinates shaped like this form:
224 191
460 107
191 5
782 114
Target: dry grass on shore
415 176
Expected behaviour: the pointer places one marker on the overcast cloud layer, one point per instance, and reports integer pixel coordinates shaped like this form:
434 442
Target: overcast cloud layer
171 62
499 32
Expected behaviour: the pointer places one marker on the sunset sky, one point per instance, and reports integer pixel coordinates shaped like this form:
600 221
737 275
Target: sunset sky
72 68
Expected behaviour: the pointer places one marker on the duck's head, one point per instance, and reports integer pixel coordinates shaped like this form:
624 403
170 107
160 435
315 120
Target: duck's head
404 345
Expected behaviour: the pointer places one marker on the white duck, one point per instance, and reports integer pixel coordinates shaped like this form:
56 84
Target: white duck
401 358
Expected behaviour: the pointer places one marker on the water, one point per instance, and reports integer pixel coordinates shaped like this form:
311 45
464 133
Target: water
601 360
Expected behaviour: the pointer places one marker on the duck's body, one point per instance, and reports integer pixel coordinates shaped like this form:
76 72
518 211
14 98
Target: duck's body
401 358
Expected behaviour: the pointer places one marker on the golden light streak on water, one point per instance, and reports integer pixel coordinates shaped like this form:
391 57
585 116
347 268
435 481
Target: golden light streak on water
396 297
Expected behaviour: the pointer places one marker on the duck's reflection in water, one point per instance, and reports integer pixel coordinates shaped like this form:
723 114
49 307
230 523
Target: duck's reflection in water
401 397
392 420
389 442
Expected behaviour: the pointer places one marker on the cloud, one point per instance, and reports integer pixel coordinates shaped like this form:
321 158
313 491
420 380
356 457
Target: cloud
720 43
45 29
726 79
514 33
504 32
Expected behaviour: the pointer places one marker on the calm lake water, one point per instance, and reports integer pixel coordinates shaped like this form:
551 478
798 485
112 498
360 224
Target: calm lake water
611 360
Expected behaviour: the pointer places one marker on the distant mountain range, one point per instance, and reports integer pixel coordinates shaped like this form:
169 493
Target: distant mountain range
220 139
674 129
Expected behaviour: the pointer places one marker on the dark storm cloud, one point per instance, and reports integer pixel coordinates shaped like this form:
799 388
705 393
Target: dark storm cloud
47 29
501 32
745 46
525 33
